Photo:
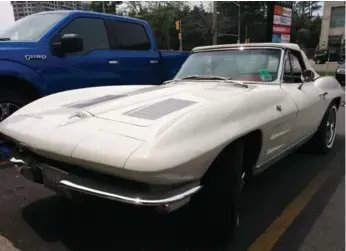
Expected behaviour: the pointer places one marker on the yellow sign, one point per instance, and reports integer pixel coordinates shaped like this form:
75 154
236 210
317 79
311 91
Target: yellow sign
177 25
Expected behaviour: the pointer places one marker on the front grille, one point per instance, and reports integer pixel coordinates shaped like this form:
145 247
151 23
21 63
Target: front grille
93 175
22 152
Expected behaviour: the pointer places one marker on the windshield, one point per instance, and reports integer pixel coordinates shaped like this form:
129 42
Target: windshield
253 64
32 27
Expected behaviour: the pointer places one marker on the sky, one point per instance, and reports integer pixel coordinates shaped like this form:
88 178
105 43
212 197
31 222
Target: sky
6 15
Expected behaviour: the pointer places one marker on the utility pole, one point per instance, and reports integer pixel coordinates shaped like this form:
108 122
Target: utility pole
181 37
214 22
238 42
178 27
103 7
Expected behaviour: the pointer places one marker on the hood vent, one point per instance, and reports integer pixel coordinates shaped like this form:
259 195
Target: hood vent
160 109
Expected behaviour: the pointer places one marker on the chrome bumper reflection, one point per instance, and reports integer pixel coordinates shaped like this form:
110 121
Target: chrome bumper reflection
131 200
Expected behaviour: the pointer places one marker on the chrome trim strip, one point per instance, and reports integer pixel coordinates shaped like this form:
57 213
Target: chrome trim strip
130 200
285 151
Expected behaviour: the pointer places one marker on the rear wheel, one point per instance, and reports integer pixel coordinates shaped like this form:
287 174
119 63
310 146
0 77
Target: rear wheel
217 204
324 138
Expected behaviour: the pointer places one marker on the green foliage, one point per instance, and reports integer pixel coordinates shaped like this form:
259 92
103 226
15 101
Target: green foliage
306 25
197 21
109 6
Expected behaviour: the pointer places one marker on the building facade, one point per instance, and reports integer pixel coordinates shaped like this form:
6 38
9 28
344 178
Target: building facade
26 8
333 26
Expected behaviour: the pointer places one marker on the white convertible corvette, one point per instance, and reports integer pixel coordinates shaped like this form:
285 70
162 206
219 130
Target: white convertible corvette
231 111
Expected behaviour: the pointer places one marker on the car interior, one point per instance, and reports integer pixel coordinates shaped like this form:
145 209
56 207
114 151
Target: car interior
293 67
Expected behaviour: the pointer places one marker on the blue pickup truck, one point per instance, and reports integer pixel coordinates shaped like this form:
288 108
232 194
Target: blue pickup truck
56 51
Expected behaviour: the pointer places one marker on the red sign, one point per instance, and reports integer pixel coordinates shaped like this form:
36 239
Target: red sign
278 10
281 29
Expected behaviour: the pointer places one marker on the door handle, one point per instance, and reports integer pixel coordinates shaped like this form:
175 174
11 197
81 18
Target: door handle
113 62
323 95
154 61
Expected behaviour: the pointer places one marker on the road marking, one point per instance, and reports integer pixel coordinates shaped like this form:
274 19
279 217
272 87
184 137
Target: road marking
2 163
267 240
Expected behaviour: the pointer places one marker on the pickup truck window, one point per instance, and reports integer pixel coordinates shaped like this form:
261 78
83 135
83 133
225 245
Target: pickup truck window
128 36
91 30
32 27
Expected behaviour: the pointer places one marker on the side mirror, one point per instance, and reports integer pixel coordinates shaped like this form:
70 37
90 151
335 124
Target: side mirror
307 75
71 43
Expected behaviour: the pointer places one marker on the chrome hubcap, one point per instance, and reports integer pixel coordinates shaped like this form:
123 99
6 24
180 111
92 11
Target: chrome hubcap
6 109
331 127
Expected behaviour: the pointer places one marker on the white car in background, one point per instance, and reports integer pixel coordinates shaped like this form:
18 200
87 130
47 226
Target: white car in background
231 112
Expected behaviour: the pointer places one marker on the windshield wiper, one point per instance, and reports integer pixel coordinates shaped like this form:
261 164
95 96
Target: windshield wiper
5 39
211 77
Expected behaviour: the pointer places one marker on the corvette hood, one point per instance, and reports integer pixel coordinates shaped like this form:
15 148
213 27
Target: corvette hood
136 105
155 104
136 111
78 123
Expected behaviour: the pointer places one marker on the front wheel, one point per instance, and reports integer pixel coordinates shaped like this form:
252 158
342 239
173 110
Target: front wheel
217 204
10 101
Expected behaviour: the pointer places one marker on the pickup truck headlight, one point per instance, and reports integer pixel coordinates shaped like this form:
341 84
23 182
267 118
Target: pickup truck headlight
340 70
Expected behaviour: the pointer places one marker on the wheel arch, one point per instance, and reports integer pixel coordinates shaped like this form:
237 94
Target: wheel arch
252 148
9 82
337 101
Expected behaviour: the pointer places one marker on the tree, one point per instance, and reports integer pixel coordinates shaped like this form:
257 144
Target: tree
306 25
252 19
110 7
308 9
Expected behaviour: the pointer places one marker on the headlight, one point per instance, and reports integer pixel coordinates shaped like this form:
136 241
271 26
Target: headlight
340 70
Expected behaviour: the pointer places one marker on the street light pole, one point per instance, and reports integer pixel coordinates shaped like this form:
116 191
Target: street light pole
214 22
239 13
239 23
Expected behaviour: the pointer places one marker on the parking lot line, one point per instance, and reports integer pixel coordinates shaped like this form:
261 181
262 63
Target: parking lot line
2 163
267 240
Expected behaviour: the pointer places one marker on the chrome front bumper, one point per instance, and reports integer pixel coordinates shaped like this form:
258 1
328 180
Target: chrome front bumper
56 176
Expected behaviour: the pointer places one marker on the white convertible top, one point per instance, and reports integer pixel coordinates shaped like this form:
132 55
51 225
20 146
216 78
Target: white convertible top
226 46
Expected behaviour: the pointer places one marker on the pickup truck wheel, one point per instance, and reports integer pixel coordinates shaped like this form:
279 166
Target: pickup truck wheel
216 206
11 101
324 138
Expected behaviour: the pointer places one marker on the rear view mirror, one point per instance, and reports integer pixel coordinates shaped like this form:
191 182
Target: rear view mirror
71 43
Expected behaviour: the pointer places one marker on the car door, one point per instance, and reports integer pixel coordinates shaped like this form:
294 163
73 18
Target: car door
133 55
306 96
87 68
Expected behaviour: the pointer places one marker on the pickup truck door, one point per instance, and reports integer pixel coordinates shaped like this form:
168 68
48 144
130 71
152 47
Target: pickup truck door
308 99
133 54
85 69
